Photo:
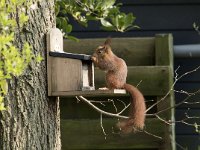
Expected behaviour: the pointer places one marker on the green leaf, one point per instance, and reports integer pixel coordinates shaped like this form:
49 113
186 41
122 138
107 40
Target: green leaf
106 23
92 18
39 58
107 4
2 107
23 18
4 86
68 28
105 11
57 9
63 22
72 38
58 22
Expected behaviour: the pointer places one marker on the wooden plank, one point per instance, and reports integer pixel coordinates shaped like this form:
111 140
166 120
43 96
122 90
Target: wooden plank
164 49
70 55
89 135
154 79
164 56
54 43
62 72
135 51
180 36
91 93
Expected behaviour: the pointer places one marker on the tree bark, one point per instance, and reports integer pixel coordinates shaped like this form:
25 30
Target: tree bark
32 120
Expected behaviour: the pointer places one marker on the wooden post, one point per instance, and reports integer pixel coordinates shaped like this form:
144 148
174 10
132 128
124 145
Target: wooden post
54 43
164 57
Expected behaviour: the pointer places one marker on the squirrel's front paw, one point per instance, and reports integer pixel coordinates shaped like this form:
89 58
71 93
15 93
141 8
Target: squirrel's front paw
103 88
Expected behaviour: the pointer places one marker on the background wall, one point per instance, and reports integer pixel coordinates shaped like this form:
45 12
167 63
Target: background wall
165 16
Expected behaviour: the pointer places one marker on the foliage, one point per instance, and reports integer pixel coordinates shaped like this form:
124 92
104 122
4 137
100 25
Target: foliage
196 27
13 60
104 11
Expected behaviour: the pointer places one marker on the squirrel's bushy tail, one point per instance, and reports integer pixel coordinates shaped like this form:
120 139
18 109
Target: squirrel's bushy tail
137 111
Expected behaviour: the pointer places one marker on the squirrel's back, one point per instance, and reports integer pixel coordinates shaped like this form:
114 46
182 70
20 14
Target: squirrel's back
115 67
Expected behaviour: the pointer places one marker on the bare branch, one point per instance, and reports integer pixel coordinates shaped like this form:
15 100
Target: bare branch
139 83
191 103
168 122
176 79
179 121
100 110
180 146
183 92
152 134
113 104
121 102
101 123
178 104
163 120
124 109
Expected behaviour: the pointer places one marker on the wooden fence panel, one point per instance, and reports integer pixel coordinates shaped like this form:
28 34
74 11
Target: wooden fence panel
150 61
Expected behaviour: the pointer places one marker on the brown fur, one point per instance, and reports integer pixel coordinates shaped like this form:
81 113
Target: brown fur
116 73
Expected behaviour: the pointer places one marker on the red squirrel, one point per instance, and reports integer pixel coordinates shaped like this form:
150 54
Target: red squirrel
116 73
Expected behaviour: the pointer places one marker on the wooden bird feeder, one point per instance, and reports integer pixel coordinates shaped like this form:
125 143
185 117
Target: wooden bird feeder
69 74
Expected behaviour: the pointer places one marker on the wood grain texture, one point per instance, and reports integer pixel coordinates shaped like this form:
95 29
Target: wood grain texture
91 135
154 79
66 74
54 44
150 61
164 56
141 49
90 93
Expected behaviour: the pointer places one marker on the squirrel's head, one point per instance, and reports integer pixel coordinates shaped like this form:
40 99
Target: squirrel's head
102 51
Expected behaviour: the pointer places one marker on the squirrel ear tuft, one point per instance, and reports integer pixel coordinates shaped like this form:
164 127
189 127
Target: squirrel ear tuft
108 41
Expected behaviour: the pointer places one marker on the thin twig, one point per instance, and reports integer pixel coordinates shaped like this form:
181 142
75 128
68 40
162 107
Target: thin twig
163 120
101 123
191 103
178 104
183 92
176 79
115 107
124 109
156 136
139 83
100 110
180 146
121 102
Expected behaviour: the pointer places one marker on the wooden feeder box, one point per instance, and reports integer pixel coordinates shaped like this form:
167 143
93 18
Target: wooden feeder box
69 74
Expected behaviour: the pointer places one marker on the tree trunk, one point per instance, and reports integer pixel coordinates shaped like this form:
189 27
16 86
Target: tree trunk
32 120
